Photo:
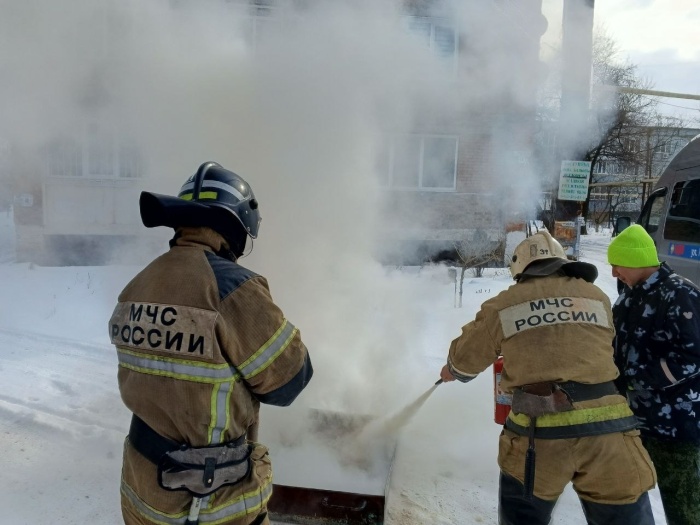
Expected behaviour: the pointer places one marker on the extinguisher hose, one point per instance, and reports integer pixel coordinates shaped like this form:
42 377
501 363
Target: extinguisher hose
530 460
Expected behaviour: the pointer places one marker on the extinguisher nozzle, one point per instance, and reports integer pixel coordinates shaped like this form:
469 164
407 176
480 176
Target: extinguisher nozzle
439 381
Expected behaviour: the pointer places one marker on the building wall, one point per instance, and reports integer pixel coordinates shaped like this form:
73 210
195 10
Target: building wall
499 124
496 130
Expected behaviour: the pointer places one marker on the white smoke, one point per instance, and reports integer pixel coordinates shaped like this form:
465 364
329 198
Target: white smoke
300 104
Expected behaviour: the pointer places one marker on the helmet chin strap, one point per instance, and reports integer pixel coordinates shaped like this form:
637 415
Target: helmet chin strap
232 248
249 251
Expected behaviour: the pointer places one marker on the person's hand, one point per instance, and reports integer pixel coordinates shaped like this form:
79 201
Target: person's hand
446 375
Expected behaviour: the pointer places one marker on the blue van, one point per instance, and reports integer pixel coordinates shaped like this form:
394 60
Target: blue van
671 214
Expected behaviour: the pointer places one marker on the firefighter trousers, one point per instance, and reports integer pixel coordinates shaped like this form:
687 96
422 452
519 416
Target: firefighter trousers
515 508
611 473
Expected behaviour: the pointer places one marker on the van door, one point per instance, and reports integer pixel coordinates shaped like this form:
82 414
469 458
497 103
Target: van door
682 229
674 224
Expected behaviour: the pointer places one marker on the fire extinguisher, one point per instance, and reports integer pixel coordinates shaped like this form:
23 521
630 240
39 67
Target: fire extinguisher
502 400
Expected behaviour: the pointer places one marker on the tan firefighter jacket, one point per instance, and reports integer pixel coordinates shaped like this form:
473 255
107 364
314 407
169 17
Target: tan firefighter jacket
200 344
548 329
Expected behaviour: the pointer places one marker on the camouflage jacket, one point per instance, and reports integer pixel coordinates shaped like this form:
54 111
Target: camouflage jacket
657 349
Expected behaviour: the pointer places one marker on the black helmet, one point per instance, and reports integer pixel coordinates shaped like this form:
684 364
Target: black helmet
211 197
217 186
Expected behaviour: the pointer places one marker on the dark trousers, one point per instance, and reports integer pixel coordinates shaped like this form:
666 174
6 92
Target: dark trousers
516 509
678 472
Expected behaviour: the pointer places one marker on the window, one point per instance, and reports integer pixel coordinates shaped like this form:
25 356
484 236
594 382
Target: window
253 19
130 163
65 159
631 145
653 210
438 34
260 23
425 162
100 153
683 221
613 167
665 149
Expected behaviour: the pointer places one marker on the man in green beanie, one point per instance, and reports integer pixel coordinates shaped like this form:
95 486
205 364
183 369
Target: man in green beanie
657 349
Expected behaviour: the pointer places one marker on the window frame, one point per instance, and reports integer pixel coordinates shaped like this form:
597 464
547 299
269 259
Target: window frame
682 226
432 45
421 159
98 155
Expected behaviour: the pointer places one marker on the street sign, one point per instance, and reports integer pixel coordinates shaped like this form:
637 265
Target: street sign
573 180
568 233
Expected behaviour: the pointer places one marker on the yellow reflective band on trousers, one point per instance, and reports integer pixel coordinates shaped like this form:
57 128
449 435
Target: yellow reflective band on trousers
222 377
246 503
576 423
268 352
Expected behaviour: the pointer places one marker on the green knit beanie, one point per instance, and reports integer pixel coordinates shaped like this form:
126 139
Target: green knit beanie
633 248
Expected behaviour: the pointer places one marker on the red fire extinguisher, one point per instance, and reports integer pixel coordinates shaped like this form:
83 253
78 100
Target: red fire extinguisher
502 400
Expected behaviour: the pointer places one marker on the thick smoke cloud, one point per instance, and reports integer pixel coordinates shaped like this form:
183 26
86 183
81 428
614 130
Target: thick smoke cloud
300 105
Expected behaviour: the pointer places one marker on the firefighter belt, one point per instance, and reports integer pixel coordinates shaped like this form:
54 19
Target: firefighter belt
540 399
198 470
551 404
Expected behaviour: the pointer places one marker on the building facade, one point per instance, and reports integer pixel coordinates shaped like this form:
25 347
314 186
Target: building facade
463 166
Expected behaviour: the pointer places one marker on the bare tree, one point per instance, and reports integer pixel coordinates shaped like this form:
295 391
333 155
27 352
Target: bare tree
626 128
606 201
618 200
478 253
599 212
624 131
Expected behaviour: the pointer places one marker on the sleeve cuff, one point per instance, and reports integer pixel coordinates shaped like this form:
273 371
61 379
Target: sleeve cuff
460 376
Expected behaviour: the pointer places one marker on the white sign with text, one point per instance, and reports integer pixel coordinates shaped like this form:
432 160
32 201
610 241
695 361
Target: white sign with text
573 180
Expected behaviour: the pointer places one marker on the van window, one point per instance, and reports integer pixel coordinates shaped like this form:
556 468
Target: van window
683 221
650 218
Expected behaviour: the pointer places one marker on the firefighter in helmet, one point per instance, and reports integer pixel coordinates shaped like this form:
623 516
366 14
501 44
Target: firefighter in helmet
568 422
201 344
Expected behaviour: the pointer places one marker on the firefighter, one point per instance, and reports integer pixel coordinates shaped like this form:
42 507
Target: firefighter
201 344
568 422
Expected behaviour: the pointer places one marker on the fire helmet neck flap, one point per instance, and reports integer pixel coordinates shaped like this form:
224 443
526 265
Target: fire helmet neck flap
214 197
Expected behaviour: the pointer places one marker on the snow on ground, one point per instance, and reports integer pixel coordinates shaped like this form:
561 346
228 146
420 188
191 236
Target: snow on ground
62 423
